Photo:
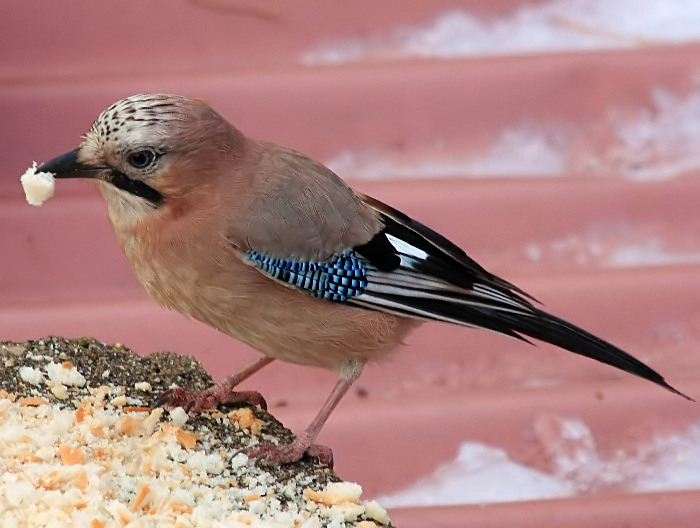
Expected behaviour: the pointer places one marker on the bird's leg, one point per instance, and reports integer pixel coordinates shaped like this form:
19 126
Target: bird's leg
304 443
196 401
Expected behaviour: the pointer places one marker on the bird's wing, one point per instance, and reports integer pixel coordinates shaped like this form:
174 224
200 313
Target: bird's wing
409 269
294 207
416 271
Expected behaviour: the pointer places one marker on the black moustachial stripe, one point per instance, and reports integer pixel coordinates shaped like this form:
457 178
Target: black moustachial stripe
135 187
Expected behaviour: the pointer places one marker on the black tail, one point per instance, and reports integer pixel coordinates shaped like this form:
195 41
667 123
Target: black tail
550 329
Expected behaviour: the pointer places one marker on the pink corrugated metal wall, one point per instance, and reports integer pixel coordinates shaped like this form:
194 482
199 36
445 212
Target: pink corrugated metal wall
530 161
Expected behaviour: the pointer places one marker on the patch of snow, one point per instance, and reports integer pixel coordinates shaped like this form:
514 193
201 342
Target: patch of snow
659 142
655 143
482 474
649 253
676 465
517 152
616 246
556 26
479 474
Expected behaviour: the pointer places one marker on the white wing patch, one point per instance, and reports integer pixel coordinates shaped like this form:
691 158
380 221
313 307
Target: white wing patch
409 291
405 248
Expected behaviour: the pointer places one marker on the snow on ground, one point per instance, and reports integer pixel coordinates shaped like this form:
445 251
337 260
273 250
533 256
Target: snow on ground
649 253
656 143
659 142
481 474
556 26
517 152
477 475
616 246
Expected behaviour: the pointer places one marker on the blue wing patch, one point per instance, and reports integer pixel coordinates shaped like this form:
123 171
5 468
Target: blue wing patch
338 279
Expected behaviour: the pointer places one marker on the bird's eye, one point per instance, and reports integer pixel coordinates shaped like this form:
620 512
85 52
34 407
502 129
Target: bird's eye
141 158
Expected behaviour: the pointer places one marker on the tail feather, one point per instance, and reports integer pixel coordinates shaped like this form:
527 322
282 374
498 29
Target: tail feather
556 331
520 324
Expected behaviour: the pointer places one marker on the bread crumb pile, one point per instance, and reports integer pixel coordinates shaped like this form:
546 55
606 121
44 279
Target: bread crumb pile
38 186
77 454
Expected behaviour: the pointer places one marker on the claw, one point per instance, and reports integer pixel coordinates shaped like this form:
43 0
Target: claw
193 402
323 454
289 453
249 397
166 399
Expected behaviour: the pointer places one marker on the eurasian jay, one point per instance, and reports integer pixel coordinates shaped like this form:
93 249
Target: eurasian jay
272 248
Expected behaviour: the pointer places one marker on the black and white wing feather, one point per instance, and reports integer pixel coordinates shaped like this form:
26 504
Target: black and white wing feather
414 271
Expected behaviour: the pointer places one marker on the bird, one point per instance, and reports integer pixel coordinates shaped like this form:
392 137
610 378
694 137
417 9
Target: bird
272 248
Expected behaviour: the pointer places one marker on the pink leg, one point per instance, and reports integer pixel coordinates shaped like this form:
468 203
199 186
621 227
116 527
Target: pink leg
196 401
304 443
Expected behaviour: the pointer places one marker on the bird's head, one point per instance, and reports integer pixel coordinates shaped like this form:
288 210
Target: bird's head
150 152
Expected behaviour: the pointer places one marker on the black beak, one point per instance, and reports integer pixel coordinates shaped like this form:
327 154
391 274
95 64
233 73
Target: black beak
68 166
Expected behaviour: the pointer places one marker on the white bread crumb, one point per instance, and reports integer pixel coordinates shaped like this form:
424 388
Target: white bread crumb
59 390
31 375
118 401
336 493
178 416
65 373
143 386
38 186
203 463
374 511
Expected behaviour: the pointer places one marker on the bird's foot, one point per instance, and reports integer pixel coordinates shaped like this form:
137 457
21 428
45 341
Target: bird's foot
194 402
288 453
